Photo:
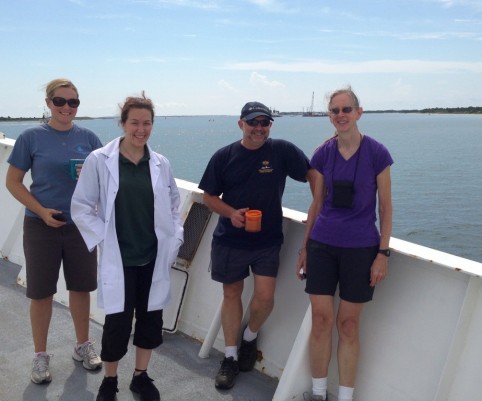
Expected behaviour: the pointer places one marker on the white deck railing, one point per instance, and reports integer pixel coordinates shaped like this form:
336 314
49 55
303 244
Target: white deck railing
420 336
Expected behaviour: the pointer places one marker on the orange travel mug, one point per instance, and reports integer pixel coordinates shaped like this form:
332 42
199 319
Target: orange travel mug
253 221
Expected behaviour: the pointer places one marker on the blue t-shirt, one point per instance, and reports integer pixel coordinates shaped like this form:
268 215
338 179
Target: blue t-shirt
47 153
253 179
355 227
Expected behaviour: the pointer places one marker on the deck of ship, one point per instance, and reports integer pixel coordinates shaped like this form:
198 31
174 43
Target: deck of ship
179 373
424 324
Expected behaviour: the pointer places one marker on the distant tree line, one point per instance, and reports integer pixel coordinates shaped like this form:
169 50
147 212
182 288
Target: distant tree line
3 119
454 110
12 119
435 110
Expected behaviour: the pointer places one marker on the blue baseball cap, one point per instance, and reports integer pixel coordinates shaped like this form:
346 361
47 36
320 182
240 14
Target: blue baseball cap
255 109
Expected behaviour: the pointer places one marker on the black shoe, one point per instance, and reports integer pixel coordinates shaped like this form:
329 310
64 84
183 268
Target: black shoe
248 354
142 385
108 389
226 376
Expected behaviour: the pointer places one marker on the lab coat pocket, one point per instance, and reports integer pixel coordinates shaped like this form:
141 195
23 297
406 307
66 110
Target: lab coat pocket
162 210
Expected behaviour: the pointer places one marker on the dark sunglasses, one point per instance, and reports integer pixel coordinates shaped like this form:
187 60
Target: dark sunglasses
345 110
254 123
60 101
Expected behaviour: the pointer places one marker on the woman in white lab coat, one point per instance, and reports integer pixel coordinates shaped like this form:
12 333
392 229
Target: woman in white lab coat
126 202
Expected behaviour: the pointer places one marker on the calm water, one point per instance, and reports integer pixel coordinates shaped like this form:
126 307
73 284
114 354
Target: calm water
436 178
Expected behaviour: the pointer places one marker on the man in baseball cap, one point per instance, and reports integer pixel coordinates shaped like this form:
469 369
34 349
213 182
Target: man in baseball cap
255 109
248 174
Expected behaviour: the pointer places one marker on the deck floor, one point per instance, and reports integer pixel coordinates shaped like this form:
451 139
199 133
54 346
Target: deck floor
178 372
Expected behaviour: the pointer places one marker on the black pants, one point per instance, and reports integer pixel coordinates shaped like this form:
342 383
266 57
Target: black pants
118 326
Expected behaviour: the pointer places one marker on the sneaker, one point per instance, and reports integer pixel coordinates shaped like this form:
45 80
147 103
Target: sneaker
247 356
226 376
40 369
311 397
86 354
142 385
108 389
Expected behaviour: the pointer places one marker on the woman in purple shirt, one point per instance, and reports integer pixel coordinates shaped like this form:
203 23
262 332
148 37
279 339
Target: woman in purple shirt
342 244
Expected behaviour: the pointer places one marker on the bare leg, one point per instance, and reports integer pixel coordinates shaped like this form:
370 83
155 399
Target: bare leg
80 311
143 356
262 302
322 316
40 316
348 322
232 312
110 368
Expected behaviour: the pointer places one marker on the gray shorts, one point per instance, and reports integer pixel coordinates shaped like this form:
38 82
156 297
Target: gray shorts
45 248
229 265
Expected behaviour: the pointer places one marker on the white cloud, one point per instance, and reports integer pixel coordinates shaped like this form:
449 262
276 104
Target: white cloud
202 4
226 85
475 4
77 2
263 3
258 79
146 59
274 6
373 66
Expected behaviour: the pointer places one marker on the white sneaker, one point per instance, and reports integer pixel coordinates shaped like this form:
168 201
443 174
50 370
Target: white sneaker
86 354
40 369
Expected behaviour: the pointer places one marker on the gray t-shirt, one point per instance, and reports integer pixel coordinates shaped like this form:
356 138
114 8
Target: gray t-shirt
47 153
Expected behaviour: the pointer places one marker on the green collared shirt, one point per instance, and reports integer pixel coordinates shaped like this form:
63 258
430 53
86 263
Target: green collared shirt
134 212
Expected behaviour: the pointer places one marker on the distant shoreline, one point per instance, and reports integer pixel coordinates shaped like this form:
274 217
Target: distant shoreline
435 110
15 119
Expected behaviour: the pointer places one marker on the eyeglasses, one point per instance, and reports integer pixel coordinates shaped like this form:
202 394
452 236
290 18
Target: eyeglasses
255 123
345 110
60 101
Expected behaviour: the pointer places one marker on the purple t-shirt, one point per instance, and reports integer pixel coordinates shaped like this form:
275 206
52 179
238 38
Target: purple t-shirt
355 227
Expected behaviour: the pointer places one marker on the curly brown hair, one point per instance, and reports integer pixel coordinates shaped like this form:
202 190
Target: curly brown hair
133 102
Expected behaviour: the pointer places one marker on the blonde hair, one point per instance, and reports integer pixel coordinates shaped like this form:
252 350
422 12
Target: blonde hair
53 85
344 91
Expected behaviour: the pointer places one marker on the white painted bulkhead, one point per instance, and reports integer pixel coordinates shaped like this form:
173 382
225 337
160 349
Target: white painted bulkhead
420 335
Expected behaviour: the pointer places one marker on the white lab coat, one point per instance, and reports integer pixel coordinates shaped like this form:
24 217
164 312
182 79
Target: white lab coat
93 211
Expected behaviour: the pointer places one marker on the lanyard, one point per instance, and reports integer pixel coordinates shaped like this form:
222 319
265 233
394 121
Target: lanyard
356 164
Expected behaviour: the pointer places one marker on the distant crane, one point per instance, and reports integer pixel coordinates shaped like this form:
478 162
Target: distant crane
309 111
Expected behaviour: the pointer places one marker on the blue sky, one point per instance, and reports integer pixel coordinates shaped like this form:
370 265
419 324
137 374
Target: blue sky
196 57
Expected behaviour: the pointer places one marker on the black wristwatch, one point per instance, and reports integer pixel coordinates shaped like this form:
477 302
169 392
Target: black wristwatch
385 252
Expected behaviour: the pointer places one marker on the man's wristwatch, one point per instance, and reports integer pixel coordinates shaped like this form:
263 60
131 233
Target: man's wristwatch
385 252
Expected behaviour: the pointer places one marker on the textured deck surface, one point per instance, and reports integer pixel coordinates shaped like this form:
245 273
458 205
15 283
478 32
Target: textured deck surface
178 372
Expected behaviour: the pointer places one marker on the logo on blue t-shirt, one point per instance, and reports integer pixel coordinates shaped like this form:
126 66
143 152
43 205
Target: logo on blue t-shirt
266 167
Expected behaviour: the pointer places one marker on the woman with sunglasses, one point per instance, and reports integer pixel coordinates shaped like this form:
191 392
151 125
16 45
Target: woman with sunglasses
50 236
342 245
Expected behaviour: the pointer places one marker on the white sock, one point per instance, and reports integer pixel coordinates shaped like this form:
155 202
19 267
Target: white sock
249 335
320 385
231 351
345 393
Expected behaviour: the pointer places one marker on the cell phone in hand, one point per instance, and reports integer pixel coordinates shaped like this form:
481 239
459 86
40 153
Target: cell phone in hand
59 217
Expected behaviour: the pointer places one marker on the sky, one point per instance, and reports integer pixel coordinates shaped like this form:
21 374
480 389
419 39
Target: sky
194 57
